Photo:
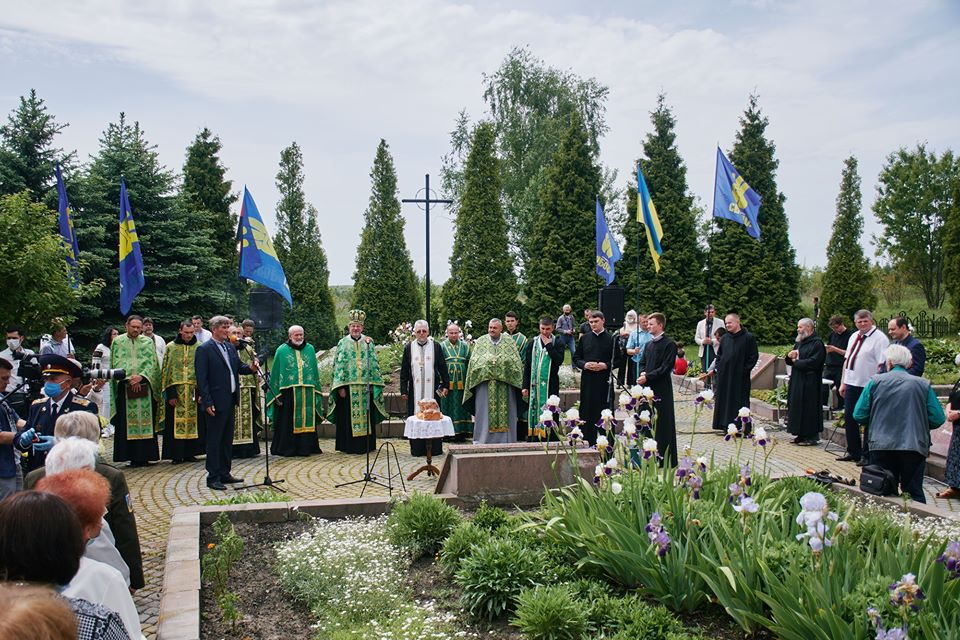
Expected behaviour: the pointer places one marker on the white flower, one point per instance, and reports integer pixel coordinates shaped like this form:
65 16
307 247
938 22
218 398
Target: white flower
747 504
644 416
602 441
732 429
629 427
636 391
616 487
702 461
707 395
606 415
647 393
573 414
650 444
553 401
760 433
598 470
624 399
744 412
546 416
612 463
576 433
813 501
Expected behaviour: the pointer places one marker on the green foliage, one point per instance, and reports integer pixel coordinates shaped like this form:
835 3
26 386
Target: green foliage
482 284
27 152
461 542
421 524
551 613
252 497
221 555
644 621
847 281
951 245
385 286
914 200
740 268
37 282
300 250
495 574
490 518
565 265
679 289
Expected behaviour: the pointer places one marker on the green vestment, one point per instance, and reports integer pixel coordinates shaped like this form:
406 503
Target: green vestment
500 366
138 358
539 387
522 344
178 373
296 369
354 367
244 416
457 357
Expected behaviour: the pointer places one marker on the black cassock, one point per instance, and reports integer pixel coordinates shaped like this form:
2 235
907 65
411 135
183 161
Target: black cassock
804 412
441 380
594 385
735 358
658 360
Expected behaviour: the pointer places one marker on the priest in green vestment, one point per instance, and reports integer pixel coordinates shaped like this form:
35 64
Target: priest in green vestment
135 438
457 354
246 418
494 373
180 416
293 400
541 378
356 377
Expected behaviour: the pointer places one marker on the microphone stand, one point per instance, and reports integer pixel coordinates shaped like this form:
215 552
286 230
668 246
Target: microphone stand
368 477
267 481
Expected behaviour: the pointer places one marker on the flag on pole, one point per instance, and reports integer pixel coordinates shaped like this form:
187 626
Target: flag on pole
258 258
131 262
733 198
608 252
68 237
647 214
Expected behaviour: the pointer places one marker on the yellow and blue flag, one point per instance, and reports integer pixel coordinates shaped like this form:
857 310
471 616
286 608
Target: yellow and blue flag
131 262
258 258
608 252
647 214
68 237
733 198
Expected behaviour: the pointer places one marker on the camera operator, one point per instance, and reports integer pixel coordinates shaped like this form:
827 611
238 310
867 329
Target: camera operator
61 377
11 479
14 353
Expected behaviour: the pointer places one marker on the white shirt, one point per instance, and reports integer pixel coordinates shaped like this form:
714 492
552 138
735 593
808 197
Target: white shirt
865 359
161 346
103 549
702 333
203 335
100 583
222 348
15 379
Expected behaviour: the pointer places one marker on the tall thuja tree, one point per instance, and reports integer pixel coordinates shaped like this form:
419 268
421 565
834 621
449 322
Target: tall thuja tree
679 289
384 284
27 151
177 253
760 280
206 192
847 281
951 243
564 236
482 284
300 250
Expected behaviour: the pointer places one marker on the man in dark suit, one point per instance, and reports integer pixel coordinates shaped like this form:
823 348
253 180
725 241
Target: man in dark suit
218 379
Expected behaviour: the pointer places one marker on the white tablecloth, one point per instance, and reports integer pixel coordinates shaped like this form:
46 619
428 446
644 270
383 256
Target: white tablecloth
416 429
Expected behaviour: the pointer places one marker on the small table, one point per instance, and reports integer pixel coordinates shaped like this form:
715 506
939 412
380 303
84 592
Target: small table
416 429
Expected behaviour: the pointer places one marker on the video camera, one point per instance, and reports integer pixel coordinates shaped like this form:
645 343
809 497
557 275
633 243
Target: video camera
29 370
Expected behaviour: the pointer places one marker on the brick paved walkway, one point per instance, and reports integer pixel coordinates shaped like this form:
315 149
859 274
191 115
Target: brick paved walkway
159 488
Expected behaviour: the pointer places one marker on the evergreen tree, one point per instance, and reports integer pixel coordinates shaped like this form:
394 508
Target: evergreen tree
177 254
760 280
951 244
27 154
384 285
564 250
482 284
300 251
847 281
679 289
206 192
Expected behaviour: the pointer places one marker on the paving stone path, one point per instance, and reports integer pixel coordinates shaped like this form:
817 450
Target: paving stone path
159 488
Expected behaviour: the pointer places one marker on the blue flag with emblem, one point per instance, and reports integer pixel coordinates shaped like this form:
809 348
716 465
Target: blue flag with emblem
258 258
733 198
647 214
131 261
68 237
608 252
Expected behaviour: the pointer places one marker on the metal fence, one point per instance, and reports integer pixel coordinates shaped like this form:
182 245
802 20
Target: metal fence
926 325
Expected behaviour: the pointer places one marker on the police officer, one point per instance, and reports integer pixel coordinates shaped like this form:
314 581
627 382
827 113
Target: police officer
61 376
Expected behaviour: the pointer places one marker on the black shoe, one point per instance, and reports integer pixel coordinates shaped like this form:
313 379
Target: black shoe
846 458
808 443
216 484
231 480
862 462
190 459
176 461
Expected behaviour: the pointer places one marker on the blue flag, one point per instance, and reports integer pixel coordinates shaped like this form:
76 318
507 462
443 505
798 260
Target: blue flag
131 262
68 237
608 252
733 198
258 259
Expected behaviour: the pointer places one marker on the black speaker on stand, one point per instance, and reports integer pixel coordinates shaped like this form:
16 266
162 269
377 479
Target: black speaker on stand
611 305
266 309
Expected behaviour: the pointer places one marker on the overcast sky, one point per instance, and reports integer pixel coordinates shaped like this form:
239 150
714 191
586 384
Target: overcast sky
835 78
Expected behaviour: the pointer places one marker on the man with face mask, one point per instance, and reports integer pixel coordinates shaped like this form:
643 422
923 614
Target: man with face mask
14 354
804 412
61 376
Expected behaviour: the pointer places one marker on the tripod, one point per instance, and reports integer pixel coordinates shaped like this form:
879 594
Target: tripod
264 378
368 477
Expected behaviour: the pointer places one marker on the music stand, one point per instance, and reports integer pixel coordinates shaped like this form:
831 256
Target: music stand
368 477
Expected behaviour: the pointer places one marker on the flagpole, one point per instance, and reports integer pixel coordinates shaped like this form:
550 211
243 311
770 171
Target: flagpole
637 222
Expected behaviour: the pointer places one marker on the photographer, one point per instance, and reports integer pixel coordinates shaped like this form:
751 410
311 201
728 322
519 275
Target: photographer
11 479
61 377
14 354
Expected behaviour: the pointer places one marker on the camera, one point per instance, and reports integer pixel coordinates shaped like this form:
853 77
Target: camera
96 373
29 370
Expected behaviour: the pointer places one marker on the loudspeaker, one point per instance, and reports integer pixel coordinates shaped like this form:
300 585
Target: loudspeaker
611 305
266 309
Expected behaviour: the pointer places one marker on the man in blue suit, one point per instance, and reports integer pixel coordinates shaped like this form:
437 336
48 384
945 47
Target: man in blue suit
218 378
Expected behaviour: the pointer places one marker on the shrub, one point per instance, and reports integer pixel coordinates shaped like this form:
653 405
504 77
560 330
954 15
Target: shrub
550 613
490 518
460 544
421 524
651 623
495 574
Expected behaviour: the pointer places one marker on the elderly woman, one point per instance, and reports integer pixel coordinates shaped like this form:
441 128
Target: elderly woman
952 473
41 541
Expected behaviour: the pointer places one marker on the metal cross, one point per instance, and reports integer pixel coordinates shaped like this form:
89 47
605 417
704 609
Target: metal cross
427 200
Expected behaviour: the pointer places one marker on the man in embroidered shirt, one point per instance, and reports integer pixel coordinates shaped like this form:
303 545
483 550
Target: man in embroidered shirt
863 359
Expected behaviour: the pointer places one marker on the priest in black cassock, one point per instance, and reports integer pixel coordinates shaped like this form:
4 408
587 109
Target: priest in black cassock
594 357
804 411
423 374
656 371
735 359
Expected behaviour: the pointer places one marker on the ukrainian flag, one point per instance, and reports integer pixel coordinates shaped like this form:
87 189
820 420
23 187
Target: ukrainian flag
68 237
131 262
647 214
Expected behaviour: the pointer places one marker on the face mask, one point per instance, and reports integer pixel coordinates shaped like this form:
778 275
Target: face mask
51 389
14 343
